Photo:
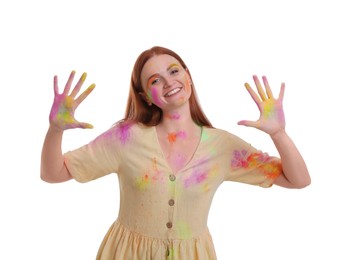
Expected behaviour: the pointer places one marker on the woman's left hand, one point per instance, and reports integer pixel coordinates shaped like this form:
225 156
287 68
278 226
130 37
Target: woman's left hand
271 118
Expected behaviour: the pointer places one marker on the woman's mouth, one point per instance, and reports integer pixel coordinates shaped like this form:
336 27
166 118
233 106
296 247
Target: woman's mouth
173 92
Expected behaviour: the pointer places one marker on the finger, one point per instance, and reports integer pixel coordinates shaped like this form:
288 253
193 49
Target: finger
281 92
267 87
85 94
56 87
78 85
248 123
69 83
252 93
259 88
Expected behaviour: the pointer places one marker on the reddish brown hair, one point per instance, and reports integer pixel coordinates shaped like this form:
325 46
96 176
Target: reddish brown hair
139 111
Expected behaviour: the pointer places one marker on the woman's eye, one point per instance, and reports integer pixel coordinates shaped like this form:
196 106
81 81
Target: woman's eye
174 71
155 81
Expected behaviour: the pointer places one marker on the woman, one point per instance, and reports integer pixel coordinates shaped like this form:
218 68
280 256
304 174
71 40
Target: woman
169 159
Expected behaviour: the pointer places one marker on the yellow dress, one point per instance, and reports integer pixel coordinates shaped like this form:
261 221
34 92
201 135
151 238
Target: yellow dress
163 215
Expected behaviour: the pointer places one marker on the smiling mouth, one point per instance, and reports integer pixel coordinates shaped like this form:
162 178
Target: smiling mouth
173 92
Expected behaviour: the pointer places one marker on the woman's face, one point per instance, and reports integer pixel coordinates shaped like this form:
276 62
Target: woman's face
165 82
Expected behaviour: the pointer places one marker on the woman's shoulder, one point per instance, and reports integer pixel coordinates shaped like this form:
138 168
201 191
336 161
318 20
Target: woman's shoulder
127 125
219 135
128 130
216 132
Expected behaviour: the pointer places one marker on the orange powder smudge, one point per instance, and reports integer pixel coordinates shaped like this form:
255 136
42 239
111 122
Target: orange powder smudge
143 182
150 176
172 137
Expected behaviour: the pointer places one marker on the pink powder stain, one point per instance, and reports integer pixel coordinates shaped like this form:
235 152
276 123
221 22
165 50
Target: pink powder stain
181 134
174 116
122 132
179 160
107 134
55 108
154 96
269 166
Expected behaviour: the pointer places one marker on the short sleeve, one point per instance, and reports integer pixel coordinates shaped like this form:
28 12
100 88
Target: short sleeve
251 166
95 159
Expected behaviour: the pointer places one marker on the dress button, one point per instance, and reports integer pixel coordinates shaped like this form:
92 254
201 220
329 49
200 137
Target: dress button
169 225
172 177
171 202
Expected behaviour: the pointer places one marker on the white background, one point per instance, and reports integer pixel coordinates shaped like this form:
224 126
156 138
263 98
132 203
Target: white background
223 43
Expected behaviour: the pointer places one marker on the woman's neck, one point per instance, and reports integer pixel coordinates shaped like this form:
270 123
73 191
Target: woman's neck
177 121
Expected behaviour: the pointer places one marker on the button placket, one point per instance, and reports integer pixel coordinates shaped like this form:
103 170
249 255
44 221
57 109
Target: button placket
171 201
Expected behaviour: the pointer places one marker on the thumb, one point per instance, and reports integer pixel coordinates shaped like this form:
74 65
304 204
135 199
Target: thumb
85 125
248 123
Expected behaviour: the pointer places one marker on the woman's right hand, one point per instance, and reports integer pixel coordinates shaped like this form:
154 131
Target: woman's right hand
62 113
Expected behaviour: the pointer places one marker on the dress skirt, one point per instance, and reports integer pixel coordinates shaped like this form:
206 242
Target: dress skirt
120 243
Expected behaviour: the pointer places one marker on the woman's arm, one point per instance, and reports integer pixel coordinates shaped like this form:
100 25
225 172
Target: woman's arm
53 168
272 122
295 173
61 118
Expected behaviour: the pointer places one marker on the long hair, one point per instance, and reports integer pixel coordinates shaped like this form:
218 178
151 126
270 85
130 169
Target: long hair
139 111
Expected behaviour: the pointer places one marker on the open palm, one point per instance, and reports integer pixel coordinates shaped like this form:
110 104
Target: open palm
64 105
271 119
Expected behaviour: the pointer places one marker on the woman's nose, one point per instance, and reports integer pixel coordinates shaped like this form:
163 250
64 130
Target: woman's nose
167 82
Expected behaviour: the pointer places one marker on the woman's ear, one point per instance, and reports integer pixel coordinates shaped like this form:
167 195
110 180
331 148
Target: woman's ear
188 74
145 98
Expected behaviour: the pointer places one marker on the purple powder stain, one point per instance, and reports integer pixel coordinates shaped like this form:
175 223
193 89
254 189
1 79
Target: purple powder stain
196 178
239 159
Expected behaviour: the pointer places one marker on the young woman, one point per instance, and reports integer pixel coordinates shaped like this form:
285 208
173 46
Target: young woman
169 159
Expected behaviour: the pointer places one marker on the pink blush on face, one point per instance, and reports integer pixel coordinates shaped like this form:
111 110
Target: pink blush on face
155 97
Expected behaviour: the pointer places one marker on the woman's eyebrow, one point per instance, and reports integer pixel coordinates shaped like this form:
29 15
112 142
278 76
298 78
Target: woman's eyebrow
156 74
172 65
151 77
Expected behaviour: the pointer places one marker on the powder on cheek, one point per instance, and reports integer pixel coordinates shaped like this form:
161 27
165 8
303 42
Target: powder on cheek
155 96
